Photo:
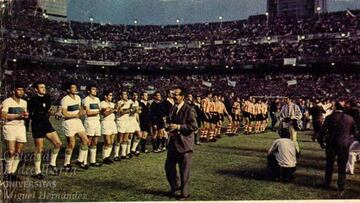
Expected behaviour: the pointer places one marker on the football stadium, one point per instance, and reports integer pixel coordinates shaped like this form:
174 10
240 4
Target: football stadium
179 100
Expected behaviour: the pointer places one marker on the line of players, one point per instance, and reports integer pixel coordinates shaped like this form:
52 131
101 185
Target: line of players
124 125
253 114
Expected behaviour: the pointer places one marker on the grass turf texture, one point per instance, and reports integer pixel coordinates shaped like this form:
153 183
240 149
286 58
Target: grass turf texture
233 168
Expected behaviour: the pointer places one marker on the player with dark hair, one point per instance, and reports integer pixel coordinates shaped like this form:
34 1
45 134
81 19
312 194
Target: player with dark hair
205 107
72 125
144 117
91 105
157 121
108 125
135 124
124 106
39 111
14 112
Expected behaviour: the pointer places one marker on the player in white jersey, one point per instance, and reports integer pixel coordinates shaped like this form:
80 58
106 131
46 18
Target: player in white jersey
91 105
135 123
123 108
72 125
14 112
108 125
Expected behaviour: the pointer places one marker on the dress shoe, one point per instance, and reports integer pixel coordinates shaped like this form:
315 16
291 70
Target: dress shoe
183 198
324 186
39 176
96 164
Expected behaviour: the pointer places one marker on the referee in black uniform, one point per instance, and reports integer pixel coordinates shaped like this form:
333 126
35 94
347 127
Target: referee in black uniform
40 110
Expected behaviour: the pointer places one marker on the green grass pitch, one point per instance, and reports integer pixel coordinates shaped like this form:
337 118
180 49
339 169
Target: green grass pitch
234 168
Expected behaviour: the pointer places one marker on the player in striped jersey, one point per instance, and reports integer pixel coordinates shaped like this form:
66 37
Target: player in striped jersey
135 124
72 125
108 125
14 112
124 106
205 107
91 105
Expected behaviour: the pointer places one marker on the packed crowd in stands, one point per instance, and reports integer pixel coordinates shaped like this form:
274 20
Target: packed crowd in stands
206 55
29 33
31 21
307 85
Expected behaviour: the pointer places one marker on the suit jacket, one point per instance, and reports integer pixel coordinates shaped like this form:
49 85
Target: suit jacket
338 130
183 139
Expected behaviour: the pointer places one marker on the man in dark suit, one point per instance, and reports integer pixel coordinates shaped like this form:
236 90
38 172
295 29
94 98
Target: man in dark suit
317 112
181 126
336 135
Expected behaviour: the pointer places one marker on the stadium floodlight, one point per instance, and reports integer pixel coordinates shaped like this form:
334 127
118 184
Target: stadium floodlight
234 41
333 64
138 67
177 20
268 38
203 43
161 67
91 19
226 66
232 68
65 40
14 60
294 64
23 36
303 37
103 42
77 65
220 17
135 21
343 34
102 67
140 45
318 8
267 14
175 43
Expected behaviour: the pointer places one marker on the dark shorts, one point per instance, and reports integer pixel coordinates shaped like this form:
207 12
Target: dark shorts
215 118
260 117
263 117
145 126
159 124
222 117
40 129
246 114
252 117
208 119
236 117
200 116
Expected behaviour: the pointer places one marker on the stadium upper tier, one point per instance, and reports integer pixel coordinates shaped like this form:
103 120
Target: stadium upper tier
325 38
256 26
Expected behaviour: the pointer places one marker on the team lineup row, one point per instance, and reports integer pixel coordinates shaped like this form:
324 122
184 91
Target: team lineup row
124 125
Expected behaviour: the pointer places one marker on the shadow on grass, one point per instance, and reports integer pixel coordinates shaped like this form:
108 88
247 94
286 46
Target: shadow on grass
311 164
155 192
253 174
263 174
240 148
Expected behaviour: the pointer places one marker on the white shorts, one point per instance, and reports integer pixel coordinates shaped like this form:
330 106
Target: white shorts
123 126
72 127
108 128
134 126
92 128
15 133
